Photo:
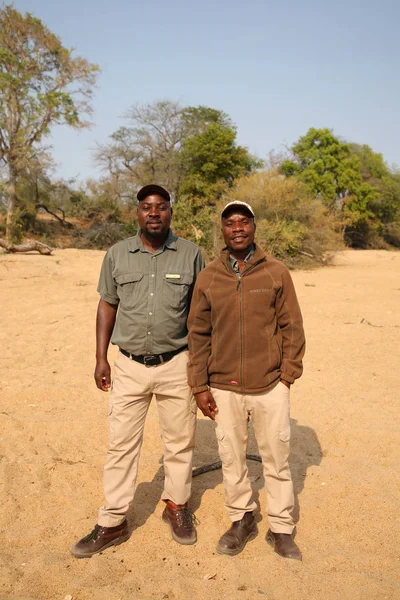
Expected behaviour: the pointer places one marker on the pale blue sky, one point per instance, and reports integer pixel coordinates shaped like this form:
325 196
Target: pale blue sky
277 68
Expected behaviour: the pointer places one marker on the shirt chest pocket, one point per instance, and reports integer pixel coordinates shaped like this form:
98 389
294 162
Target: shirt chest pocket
129 288
176 288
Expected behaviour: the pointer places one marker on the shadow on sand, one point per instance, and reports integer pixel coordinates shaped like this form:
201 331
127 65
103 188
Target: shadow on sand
305 452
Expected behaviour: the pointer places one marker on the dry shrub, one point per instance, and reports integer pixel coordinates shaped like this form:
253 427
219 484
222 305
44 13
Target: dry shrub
291 224
391 233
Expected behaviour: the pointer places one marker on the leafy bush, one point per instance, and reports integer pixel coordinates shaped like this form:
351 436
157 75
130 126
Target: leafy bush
194 224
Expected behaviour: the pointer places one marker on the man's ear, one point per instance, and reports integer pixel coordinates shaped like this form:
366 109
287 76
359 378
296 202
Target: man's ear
255 227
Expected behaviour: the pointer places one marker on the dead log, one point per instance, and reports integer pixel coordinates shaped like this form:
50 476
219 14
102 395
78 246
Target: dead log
28 246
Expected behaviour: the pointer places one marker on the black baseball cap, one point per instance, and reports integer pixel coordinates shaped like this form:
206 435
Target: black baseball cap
150 189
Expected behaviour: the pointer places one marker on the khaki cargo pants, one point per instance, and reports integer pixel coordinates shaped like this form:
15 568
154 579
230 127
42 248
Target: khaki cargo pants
133 387
269 413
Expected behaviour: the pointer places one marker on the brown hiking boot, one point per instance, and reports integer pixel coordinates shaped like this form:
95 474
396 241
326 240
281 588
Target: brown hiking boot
99 539
181 522
234 540
284 545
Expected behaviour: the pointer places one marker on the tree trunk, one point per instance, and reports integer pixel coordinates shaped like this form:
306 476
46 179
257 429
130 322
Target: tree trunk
11 196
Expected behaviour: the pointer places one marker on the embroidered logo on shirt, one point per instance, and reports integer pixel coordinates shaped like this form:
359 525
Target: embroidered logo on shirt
234 382
172 276
259 290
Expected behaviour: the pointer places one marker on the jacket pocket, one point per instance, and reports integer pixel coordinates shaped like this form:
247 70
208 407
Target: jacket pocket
128 288
176 289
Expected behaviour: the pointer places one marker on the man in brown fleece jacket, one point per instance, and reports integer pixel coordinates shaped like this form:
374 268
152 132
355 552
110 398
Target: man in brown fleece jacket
246 344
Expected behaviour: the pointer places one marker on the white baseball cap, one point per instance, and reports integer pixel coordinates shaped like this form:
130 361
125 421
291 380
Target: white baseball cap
237 203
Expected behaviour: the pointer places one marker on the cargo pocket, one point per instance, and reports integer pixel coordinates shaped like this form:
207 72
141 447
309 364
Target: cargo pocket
284 435
176 289
128 288
284 448
224 447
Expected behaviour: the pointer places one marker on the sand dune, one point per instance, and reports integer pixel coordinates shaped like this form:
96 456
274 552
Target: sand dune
345 457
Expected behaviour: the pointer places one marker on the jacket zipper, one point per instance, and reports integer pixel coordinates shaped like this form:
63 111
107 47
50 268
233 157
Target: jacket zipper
241 320
241 275
241 335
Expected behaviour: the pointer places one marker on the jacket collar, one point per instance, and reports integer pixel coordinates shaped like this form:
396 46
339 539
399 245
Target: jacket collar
257 257
135 243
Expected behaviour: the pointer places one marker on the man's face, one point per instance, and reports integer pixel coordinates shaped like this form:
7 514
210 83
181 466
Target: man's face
238 229
154 216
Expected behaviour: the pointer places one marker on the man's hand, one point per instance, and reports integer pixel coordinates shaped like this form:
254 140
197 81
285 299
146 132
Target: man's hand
102 375
105 321
285 383
206 403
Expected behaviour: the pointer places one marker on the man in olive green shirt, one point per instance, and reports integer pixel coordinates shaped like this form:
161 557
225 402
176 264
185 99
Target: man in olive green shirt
145 287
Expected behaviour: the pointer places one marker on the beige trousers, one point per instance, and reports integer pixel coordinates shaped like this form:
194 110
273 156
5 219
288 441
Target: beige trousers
269 412
132 391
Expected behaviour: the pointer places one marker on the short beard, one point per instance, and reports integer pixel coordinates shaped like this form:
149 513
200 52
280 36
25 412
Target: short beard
154 235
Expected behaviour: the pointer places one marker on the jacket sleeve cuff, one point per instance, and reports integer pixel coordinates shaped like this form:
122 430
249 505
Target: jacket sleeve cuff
287 378
200 388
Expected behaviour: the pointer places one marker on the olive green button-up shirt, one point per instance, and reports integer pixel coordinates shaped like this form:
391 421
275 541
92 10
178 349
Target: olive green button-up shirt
153 293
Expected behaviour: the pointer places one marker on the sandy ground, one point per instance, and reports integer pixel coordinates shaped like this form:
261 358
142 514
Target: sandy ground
345 449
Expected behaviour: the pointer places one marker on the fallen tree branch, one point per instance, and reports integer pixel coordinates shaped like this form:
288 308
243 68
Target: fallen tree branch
62 220
307 254
28 246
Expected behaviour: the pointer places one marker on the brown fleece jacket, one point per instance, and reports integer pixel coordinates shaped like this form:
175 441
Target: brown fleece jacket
245 333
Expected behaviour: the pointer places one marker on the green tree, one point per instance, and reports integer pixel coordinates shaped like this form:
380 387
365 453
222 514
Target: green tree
212 161
376 173
332 172
41 84
325 164
197 118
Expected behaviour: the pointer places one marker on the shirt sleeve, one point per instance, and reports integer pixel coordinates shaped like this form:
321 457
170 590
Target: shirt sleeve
107 287
198 266
199 340
291 325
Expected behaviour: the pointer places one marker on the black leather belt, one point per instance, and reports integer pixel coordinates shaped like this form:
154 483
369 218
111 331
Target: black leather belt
151 360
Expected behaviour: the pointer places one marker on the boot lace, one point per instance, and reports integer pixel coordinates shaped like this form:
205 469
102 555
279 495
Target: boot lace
92 535
185 518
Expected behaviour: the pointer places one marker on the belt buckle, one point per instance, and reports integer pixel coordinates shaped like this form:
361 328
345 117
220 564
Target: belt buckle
148 358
